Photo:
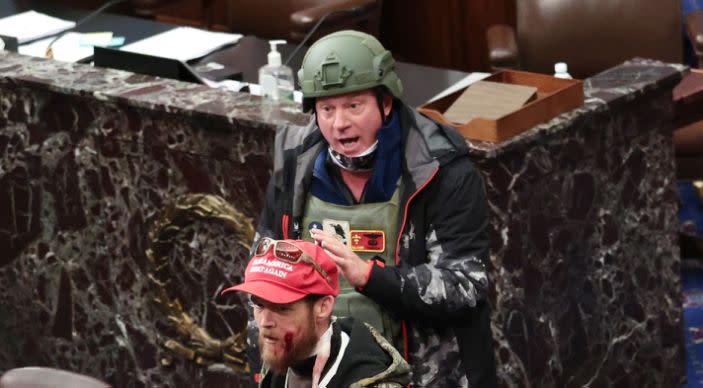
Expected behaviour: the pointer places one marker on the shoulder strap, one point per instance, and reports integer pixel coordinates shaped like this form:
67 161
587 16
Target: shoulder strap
333 369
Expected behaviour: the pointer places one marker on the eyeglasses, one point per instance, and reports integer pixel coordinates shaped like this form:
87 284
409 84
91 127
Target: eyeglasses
290 253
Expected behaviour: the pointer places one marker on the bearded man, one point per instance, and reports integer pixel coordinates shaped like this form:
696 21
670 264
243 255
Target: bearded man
292 286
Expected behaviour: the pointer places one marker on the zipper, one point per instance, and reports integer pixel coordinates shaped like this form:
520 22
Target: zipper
404 326
405 214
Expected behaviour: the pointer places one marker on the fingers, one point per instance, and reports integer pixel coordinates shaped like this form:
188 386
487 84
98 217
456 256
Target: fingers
319 234
350 265
325 239
337 250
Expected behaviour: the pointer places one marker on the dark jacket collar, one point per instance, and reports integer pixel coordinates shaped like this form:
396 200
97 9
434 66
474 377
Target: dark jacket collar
368 358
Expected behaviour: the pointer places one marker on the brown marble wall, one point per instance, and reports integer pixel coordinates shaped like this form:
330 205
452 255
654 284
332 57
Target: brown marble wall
583 214
88 159
585 254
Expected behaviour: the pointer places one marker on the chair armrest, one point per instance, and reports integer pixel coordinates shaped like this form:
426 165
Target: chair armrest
694 29
302 21
502 47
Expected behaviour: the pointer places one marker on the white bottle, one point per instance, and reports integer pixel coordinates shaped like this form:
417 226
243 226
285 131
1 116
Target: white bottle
561 70
276 80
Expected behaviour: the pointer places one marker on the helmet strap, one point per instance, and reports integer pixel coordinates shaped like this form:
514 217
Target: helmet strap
380 93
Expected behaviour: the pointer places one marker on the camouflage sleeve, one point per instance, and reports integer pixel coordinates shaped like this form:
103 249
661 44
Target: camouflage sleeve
452 277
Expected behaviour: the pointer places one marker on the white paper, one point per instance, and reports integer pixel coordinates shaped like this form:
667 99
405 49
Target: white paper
67 48
182 43
31 25
464 82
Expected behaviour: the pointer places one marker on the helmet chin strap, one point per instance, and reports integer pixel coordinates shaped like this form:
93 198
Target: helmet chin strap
360 163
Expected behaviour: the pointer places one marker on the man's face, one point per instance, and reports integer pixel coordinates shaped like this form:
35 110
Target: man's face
286 332
350 122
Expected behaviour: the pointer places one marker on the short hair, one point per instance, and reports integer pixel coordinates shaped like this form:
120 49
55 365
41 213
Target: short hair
310 299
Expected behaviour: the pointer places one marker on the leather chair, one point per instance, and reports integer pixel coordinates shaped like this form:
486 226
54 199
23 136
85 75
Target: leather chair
292 19
41 377
590 36
694 29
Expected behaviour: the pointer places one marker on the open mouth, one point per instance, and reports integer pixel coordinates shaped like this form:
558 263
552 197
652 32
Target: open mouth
349 141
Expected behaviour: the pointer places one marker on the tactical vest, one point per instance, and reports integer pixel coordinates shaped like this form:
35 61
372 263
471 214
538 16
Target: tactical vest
370 229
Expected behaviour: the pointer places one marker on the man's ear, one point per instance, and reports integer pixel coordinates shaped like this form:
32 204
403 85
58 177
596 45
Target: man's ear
387 104
323 307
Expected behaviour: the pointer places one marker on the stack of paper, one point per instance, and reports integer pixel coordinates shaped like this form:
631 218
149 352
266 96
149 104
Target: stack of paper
31 25
182 43
490 100
67 48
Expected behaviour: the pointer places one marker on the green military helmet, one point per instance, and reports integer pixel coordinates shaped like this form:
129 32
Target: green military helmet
343 62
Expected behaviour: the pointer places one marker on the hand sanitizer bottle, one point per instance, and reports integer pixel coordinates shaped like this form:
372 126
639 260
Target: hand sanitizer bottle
561 70
275 79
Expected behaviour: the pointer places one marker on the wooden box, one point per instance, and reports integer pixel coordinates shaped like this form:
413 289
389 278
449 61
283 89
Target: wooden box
554 96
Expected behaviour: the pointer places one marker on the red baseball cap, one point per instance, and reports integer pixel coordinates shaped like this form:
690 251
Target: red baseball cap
285 281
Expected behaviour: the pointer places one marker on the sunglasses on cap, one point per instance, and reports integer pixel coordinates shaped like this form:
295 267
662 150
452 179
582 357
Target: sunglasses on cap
290 253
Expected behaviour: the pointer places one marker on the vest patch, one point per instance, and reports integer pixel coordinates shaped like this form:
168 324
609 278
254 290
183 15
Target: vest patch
338 229
368 241
315 225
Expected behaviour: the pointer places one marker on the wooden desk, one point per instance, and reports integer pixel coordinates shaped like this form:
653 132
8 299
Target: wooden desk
131 28
420 82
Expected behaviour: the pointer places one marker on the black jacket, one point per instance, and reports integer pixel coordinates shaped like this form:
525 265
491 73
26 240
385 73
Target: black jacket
440 283
368 360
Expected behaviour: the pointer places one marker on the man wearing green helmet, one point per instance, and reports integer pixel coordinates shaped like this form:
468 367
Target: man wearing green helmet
395 200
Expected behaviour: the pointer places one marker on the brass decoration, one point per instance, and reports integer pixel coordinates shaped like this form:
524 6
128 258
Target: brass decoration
195 344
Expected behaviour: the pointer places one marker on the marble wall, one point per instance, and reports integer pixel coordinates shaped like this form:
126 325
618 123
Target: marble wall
583 215
584 230
88 160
